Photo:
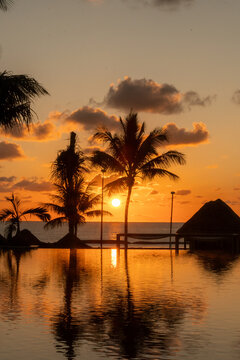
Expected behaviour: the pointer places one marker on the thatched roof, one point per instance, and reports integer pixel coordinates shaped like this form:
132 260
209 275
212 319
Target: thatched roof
24 238
213 217
71 242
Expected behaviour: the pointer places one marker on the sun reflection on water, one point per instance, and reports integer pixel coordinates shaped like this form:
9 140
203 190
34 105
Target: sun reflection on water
114 258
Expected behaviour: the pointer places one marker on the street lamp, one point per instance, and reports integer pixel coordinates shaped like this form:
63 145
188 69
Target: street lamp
172 193
101 231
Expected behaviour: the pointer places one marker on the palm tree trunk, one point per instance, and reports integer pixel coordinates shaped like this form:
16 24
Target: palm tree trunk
71 227
126 216
18 227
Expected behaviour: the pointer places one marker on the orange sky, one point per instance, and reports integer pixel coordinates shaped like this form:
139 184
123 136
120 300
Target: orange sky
175 65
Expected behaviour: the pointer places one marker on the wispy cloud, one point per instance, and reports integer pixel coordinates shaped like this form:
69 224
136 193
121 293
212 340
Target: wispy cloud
161 4
33 185
236 97
149 96
183 192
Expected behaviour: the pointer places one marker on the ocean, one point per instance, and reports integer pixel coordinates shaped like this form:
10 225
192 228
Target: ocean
91 230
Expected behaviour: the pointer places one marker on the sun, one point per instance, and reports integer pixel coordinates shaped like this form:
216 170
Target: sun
116 202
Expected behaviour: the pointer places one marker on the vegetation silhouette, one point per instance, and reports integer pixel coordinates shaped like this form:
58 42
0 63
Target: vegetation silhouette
15 214
140 330
16 95
74 200
133 154
4 4
217 262
67 327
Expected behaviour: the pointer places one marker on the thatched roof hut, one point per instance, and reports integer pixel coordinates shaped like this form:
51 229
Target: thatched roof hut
24 238
71 242
214 217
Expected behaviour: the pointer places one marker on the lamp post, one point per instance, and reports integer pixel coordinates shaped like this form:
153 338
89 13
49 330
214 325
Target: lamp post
171 216
101 231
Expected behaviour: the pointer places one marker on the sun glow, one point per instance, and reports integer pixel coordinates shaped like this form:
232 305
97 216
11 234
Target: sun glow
116 202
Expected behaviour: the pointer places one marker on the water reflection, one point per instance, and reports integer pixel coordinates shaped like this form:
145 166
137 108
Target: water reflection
128 305
9 282
216 262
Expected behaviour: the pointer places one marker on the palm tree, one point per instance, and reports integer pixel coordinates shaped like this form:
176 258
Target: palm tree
16 94
69 164
133 154
14 215
73 206
67 172
4 4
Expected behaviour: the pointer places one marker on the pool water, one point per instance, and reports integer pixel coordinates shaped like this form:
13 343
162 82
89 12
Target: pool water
148 304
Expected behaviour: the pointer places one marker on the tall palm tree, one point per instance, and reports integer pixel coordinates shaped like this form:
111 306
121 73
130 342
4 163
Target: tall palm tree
133 154
67 172
16 95
73 207
4 4
15 214
69 164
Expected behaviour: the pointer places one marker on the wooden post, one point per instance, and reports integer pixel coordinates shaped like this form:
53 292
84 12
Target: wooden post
177 244
118 242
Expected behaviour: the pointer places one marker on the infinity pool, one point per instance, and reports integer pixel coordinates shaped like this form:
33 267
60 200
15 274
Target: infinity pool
152 304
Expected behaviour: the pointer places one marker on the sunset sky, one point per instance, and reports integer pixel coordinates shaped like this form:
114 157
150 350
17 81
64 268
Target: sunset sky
175 62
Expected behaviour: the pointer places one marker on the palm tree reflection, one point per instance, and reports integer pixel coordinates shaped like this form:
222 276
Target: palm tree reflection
120 324
9 282
67 327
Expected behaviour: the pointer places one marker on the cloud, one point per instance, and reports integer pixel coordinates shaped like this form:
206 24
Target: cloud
150 96
10 179
33 185
10 151
154 192
97 180
36 132
181 136
236 97
89 118
165 4
183 192
90 149
191 98
213 166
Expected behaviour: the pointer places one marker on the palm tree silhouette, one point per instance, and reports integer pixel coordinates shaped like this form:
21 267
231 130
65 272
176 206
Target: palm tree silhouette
133 154
16 94
14 215
73 205
4 4
67 172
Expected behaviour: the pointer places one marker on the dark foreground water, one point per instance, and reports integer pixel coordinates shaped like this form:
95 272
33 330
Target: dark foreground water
62 304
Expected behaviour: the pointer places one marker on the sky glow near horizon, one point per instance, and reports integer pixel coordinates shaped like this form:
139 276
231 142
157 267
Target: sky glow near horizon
174 62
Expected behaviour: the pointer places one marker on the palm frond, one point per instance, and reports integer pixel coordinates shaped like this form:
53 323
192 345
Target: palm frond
55 222
118 185
10 229
94 213
152 173
165 160
107 162
5 214
4 4
40 212
16 93
55 207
